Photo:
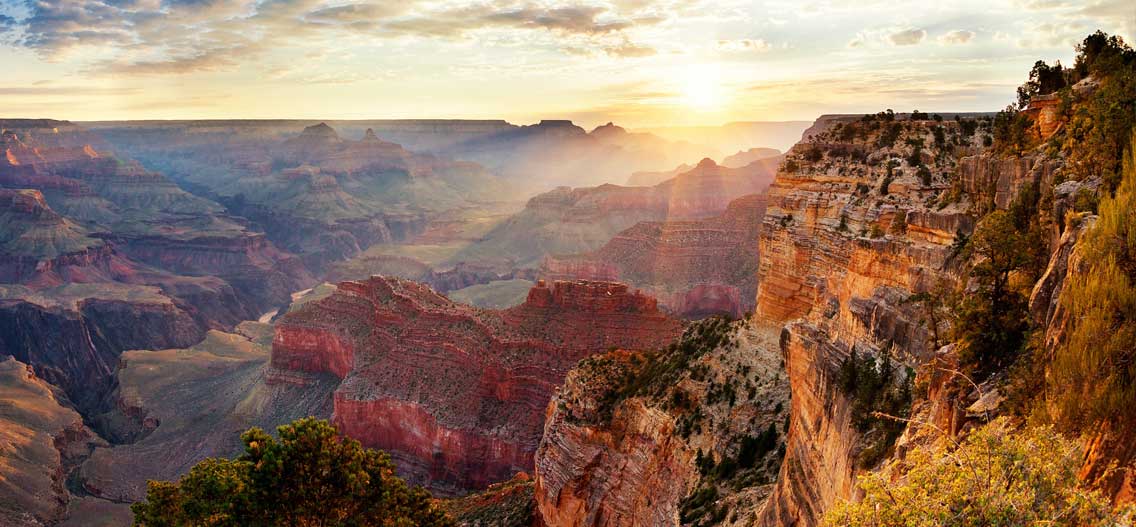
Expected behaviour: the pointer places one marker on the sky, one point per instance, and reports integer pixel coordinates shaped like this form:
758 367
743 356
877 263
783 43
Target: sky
640 63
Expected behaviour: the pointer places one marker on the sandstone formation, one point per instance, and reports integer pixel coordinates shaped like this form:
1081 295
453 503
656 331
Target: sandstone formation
646 178
41 441
455 393
694 267
864 213
745 157
848 237
652 439
506 504
315 192
553 152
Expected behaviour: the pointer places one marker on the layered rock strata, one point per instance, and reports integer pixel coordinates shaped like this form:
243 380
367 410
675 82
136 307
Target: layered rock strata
457 394
569 221
695 268
666 438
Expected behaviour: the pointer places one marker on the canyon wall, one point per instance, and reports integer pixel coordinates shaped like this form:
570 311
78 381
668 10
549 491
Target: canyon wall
457 394
41 440
695 268
850 234
569 221
666 437
99 255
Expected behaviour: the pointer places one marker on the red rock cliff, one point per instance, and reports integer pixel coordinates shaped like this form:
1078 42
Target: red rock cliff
457 394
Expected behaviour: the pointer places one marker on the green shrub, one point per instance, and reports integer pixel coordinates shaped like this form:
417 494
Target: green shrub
899 223
1093 374
995 477
992 323
875 392
309 476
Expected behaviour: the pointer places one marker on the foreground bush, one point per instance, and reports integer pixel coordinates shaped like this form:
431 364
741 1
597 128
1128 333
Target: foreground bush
997 476
309 477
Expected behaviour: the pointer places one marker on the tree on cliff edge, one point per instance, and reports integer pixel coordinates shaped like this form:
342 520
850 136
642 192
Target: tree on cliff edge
310 476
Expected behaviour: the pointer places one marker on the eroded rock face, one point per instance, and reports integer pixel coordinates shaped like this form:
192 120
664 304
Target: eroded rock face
41 440
315 193
455 393
850 234
695 268
99 255
626 442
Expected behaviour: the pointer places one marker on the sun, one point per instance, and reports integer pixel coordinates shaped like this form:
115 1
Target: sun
702 87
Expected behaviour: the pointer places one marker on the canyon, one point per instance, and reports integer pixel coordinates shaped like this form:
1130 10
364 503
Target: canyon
568 221
736 342
101 256
864 232
696 268
456 394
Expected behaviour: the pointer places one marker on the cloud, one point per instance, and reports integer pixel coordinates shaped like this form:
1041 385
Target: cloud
744 45
576 19
907 37
957 36
157 37
629 50
1112 16
209 61
1052 35
37 89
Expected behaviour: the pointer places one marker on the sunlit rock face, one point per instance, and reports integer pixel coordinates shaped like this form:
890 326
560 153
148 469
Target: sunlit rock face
695 268
613 457
42 440
846 241
829 255
455 393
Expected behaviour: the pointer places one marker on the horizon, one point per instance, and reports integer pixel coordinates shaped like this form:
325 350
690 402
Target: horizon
642 64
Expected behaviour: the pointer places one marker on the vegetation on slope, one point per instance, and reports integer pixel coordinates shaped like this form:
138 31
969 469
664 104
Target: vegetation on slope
727 401
310 476
876 390
997 476
1077 375
506 504
1094 369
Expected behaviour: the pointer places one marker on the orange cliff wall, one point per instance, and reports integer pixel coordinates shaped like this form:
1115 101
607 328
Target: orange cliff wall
836 287
457 394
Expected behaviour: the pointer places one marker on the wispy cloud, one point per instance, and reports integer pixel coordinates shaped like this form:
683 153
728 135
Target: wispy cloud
149 37
907 37
957 36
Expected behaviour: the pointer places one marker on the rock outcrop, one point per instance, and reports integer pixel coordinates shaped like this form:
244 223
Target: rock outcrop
99 255
171 408
745 157
653 438
853 229
41 441
695 268
457 394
